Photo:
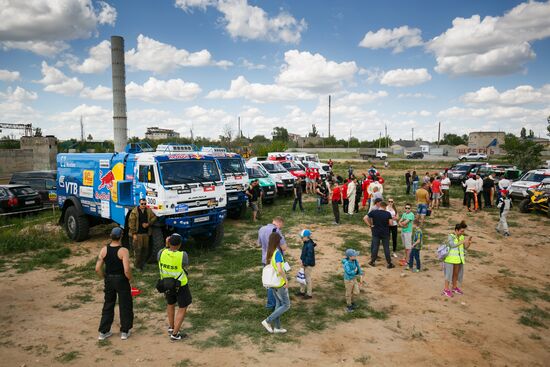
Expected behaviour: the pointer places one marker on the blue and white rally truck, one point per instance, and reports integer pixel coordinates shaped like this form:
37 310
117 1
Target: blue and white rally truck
235 177
183 188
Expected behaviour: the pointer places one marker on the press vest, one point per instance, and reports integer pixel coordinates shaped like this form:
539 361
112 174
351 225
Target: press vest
274 264
170 266
456 254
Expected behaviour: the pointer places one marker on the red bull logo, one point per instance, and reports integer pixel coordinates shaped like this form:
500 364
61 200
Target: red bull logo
106 180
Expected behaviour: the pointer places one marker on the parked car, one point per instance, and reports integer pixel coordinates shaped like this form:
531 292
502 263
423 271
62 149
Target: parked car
461 170
500 170
472 157
41 181
530 180
415 155
18 198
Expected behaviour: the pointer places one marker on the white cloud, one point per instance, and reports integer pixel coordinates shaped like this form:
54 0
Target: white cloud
9 76
415 95
55 81
245 21
158 90
158 57
361 98
405 77
523 94
252 66
98 93
398 38
18 95
421 113
42 25
313 71
97 120
260 93
43 48
492 45
99 59
17 111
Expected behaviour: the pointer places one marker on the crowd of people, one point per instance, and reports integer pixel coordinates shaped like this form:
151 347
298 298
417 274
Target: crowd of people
364 194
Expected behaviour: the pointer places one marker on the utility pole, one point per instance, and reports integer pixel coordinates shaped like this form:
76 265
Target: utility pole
386 142
81 129
438 133
191 131
349 140
329 115
239 129
412 134
380 140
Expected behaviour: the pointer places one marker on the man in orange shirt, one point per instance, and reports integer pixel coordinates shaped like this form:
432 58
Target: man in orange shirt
422 202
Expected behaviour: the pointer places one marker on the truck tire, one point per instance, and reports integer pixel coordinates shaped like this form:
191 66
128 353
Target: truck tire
214 239
524 205
157 243
237 213
76 224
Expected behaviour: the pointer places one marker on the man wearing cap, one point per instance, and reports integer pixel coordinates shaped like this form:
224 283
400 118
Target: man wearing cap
171 265
380 221
308 262
117 277
140 227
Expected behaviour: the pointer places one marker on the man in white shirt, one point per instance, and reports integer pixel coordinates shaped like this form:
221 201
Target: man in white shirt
479 192
352 186
471 186
445 187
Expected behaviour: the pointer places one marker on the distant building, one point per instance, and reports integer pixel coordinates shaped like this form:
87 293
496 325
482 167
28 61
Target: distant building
487 142
294 137
156 133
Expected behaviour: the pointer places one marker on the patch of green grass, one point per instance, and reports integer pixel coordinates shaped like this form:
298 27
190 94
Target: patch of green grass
68 356
534 317
477 254
506 272
363 359
183 363
81 297
534 336
104 343
527 294
66 306
45 259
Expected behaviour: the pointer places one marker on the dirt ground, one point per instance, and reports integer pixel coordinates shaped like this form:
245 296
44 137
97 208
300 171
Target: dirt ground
480 328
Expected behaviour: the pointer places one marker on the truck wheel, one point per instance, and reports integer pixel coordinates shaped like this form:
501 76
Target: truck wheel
524 205
158 243
268 201
76 224
214 239
238 212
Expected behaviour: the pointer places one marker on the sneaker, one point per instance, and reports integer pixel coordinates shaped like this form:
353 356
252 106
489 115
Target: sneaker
390 266
279 331
458 291
371 263
506 234
349 308
178 336
299 294
170 330
416 271
407 267
103 336
447 293
125 336
353 306
267 326
394 254
307 296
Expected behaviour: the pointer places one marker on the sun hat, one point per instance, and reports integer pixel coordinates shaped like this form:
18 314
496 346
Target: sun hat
351 252
305 233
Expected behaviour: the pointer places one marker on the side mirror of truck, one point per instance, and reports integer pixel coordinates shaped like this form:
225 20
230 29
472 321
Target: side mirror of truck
124 193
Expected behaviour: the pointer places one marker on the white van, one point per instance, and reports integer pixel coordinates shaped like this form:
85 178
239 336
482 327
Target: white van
284 180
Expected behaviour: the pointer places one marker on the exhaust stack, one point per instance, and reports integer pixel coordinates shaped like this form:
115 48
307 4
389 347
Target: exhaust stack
119 93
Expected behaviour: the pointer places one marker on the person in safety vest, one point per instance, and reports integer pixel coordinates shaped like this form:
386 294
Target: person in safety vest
453 264
275 251
171 262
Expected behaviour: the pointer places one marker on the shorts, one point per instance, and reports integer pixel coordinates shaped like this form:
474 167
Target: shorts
254 206
182 296
308 180
406 237
436 196
422 209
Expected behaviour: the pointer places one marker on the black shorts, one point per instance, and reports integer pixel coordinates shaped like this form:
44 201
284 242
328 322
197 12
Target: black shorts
182 297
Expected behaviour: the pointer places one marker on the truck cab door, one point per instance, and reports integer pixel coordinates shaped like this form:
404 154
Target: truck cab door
147 185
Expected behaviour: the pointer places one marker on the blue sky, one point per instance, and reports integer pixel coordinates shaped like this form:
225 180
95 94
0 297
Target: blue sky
199 64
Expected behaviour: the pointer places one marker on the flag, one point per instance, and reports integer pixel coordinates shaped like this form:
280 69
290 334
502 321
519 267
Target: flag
493 143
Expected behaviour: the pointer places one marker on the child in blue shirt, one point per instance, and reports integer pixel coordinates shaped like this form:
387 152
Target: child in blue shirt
352 271
418 239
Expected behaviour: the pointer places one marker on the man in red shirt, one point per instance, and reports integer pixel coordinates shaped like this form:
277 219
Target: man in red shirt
308 180
436 192
345 195
336 201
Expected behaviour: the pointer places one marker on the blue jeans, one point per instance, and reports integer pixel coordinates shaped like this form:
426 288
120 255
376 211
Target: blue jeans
422 209
415 253
415 186
282 305
270 299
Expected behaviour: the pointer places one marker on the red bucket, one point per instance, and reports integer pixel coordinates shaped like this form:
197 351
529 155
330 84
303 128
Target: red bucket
135 292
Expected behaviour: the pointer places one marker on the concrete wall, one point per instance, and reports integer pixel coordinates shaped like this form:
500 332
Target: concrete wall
44 151
479 140
14 160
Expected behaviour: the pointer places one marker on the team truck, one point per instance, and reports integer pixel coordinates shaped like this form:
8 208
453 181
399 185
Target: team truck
367 153
235 178
183 188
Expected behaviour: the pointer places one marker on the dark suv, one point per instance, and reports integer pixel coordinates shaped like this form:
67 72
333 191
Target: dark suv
461 170
18 198
42 181
415 155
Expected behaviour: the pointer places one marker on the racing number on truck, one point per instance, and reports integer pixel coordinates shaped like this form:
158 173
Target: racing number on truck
151 201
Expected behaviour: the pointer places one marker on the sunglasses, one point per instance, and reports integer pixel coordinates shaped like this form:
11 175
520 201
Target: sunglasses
142 203
391 201
407 208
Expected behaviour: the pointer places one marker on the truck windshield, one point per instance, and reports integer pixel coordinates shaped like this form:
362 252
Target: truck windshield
274 167
533 176
232 165
180 172
291 166
256 173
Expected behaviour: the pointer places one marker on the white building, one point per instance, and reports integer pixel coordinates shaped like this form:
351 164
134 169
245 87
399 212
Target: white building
156 133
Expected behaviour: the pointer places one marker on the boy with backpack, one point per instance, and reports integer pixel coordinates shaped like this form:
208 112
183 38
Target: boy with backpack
352 271
418 240
308 262
504 205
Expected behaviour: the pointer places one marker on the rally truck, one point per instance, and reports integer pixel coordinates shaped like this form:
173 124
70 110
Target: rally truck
235 178
184 189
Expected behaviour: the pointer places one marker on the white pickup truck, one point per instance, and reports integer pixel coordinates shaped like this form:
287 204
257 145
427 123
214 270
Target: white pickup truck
472 157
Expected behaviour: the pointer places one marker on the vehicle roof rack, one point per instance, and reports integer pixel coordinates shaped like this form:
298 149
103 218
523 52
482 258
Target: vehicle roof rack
141 147
176 148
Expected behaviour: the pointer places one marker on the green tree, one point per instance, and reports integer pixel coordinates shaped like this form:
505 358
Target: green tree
524 153
275 146
260 139
531 133
280 134
523 133
453 139
314 132
548 127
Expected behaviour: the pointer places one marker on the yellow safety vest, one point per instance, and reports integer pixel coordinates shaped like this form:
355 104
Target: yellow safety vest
170 266
274 264
456 254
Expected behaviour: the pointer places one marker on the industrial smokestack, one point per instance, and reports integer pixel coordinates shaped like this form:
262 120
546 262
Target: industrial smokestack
119 93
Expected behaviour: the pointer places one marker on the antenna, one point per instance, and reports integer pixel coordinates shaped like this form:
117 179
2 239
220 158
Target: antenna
438 133
329 115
